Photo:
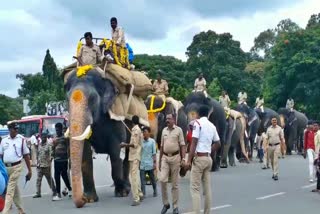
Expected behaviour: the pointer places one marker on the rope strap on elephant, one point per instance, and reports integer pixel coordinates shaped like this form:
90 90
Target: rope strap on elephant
151 110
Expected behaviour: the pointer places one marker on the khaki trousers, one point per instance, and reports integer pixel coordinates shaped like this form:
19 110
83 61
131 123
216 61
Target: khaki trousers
200 173
13 193
135 180
34 154
170 165
273 152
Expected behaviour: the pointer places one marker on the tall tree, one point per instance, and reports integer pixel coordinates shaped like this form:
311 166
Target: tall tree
219 56
10 109
42 87
314 21
293 71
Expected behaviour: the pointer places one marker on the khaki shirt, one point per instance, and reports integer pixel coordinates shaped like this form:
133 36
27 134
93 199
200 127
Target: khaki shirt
171 140
224 101
275 134
200 85
135 140
90 55
118 36
242 97
259 102
160 87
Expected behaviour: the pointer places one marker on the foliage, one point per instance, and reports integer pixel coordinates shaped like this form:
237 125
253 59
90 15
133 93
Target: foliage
293 71
42 87
10 109
214 89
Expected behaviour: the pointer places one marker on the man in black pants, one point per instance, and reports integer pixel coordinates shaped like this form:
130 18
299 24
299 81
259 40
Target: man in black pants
61 155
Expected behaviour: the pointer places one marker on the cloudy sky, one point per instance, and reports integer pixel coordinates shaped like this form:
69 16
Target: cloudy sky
166 27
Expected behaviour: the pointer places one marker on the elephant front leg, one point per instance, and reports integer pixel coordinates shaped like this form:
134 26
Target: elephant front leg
121 188
232 161
90 194
224 158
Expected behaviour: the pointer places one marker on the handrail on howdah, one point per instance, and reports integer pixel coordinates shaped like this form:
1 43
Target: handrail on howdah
94 38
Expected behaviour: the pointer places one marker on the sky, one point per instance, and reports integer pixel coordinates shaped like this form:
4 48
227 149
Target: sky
166 27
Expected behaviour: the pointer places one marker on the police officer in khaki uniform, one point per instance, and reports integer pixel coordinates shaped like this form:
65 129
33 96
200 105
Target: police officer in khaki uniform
89 53
205 139
200 84
275 137
172 151
134 161
160 86
12 149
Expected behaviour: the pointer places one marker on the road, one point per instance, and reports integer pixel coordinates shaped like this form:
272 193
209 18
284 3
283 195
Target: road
245 188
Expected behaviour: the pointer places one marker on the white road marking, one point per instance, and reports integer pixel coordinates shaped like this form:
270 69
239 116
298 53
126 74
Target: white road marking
308 186
270 196
214 208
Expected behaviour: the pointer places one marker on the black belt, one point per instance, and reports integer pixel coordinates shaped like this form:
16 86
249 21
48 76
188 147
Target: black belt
172 154
203 154
12 164
276 144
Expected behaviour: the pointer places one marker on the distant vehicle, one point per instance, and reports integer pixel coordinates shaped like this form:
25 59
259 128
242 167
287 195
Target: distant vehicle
3 131
38 124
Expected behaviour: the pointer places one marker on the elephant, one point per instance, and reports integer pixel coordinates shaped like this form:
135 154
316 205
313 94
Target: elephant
232 140
253 124
294 123
89 99
157 120
265 118
218 117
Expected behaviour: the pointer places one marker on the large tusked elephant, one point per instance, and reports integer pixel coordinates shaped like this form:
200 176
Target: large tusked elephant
233 136
253 124
294 123
218 117
90 98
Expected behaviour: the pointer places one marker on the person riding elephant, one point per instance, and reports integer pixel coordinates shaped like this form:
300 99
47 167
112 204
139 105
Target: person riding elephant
100 112
294 123
236 126
200 85
217 116
253 124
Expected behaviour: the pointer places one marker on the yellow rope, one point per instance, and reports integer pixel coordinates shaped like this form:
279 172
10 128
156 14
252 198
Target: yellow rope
151 110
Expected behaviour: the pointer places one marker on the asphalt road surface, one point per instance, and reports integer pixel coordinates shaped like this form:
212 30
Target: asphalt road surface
245 188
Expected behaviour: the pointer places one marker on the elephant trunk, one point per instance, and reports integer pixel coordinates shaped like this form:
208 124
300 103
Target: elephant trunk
79 130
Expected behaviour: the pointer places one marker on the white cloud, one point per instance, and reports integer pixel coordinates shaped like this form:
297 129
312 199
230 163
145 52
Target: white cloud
33 26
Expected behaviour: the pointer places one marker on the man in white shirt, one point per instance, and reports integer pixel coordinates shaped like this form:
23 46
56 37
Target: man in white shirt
117 33
12 149
242 97
34 149
200 85
205 139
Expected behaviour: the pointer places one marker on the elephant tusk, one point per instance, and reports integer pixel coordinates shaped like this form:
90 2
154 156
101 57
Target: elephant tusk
85 135
67 134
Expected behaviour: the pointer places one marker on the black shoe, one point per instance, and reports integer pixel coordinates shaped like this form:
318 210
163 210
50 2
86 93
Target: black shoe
155 194
272 176
276 177
165 208
175 211
264 167
37 196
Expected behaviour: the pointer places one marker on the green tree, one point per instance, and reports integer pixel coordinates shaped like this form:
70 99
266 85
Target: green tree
214 89
10 109
293 71
42 87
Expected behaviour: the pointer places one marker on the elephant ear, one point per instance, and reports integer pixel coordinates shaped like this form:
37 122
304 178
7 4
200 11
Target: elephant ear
108 96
